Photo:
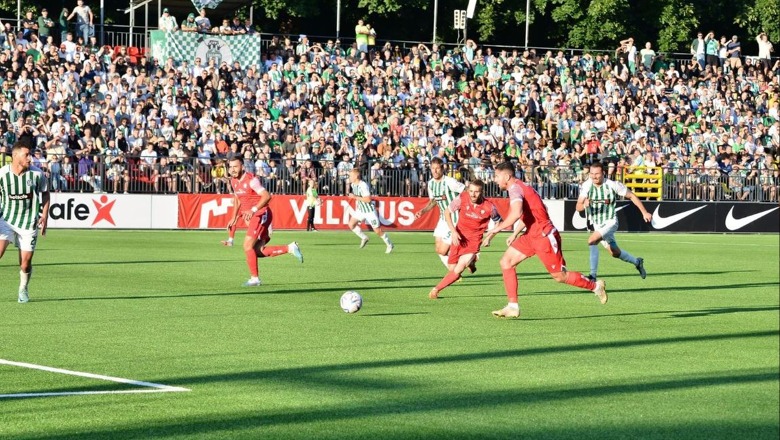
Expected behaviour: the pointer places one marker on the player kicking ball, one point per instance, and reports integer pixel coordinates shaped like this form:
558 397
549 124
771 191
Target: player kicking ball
364 211
540 238
475 213
250 201
597 198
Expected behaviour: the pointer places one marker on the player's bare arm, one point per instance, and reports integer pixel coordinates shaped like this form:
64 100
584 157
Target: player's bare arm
236 210
364 199
638 203
582 203
426 208
43 222
450 224
515 212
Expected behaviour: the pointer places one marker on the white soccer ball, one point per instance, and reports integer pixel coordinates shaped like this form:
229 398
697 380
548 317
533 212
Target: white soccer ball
351 301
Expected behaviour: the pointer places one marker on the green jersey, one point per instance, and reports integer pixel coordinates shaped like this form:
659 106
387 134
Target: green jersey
21 197
444 192
361 189
601 208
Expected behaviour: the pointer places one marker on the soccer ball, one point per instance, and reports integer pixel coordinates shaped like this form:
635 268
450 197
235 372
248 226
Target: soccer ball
351 301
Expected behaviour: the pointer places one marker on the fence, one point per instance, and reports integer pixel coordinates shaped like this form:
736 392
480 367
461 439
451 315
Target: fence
192 175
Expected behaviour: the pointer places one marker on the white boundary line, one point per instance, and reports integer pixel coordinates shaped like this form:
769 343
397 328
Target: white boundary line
155 387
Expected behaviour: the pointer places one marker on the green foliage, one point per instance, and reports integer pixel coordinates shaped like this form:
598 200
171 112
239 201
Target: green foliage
678 22
275 9
761 16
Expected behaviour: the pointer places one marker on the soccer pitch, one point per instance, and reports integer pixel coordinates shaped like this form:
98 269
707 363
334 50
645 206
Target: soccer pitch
157 339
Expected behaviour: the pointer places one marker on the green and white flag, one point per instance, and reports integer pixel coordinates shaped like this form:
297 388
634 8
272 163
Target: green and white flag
190 45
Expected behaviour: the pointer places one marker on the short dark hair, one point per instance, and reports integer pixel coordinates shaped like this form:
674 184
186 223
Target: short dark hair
477 182
506 166
437 160
599 165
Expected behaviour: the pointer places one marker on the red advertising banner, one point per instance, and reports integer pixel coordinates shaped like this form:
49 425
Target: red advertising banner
212 211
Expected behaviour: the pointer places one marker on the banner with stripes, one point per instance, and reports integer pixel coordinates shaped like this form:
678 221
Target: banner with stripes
221 48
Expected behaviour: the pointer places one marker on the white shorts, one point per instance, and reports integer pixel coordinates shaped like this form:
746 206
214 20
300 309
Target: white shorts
369 218
23 239
443 232
607 231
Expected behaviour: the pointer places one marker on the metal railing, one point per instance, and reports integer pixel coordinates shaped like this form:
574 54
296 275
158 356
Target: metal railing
122 174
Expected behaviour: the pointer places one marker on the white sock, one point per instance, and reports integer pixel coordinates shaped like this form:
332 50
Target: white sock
386 239
359 232
229 240
594 259
24 279
444 259
513 306
628 258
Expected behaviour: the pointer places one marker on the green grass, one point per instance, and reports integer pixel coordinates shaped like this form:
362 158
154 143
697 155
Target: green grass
690 352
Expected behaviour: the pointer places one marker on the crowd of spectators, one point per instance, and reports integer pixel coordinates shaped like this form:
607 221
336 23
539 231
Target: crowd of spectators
101 120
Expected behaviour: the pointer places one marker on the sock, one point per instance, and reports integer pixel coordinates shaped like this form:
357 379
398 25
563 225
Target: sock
358 232
444 260
448 279
274 251
628 258
231 233
577 280
513 305
510 284
594 259
386 239
24 278
230 240
251 261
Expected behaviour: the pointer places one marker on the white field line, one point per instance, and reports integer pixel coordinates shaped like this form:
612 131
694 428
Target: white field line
155 387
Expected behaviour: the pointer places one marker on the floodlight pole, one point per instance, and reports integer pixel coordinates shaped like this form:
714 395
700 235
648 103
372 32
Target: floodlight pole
435 13
338 18
102 21
527 19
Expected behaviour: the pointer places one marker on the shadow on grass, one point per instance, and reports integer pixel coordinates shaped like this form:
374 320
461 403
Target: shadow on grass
317 373
108 263
442 401
265 289
670 313
395 314
665 289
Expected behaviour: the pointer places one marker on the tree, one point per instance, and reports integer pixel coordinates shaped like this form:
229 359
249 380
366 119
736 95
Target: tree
760 16
678 22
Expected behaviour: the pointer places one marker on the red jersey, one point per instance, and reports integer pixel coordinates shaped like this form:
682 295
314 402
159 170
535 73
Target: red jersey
248 189
474 217
534 216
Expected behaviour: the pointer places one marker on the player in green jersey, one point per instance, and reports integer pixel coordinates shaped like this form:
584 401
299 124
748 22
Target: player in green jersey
24 209
597 198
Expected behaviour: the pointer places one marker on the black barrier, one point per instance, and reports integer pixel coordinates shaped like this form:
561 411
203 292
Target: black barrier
687 217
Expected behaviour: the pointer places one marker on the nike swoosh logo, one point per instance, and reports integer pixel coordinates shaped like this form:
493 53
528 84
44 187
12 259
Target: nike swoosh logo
579 221
659 222
732 224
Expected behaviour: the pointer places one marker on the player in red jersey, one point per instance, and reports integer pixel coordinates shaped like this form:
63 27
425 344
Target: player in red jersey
475 214
540 238
250 200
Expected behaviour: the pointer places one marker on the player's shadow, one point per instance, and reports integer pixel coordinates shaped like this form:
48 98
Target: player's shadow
125 262
666 289
393 314
665 314
682 272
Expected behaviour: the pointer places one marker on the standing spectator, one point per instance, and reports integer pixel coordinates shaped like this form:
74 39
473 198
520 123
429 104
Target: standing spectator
203 22
84 19
711 50
371 35
699 49
648 57
361 36
734 53
189 25
29 25
168 22
765 50
63 24
45 24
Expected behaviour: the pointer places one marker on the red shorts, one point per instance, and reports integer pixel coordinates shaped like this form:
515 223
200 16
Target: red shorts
464 247
259 227
547 247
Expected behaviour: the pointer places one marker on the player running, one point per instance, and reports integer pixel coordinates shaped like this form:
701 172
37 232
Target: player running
597 198
24 208
442 190
250 200
540 238
475 214
364 211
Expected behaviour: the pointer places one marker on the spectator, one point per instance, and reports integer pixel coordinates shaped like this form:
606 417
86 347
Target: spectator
203 22
765 50
63 22
189 25
734 54
29 24
83 19
168 22
361 36
45 25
